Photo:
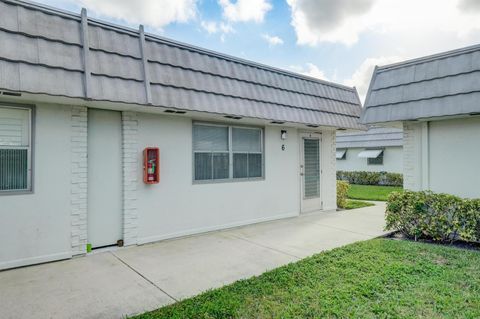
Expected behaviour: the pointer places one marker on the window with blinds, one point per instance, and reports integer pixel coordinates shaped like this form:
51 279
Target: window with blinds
226 152
15 149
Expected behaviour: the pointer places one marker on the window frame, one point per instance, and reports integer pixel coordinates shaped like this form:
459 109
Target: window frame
30 149
344 157
381 155
230 152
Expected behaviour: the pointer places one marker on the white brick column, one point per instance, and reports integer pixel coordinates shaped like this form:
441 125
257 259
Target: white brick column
130 177
328 164
78 197
412 156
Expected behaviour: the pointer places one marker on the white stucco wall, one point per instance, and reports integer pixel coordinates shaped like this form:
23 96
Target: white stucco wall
36 227
454 157
443 156
392 161
50 223
176 206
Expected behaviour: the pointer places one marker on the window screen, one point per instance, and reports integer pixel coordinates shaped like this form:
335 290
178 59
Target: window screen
375 160
247 152
223 152
211 152
14 149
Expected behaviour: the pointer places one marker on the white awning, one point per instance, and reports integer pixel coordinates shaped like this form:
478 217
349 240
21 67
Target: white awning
370 153
340 153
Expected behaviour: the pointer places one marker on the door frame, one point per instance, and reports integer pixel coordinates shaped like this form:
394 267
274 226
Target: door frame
90 158
319 201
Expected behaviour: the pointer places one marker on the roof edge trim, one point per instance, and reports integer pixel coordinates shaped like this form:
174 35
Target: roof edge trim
428 58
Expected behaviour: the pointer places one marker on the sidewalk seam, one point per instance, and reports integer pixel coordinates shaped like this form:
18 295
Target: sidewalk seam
264 246
144 277
343 229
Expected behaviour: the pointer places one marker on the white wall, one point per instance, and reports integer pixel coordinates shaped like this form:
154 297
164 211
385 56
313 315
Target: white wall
392 161
49 224
443 156
176 206
37 227
454 157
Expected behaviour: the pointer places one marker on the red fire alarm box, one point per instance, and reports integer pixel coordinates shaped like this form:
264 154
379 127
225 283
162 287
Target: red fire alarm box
151 165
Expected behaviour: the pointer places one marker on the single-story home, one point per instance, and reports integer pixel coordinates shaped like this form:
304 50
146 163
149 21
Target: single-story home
436 99
377 150
111 136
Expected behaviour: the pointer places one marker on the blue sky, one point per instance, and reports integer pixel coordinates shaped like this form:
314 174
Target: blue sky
336 40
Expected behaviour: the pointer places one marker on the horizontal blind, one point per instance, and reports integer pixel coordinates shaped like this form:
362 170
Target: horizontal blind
210 138
14 126
14 148
13 169
246 140
312 168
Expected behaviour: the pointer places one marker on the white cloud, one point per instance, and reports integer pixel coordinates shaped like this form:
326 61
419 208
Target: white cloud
213 27
209 26
311 70
343 21
272 40
361 77
154 13
245 10
468 5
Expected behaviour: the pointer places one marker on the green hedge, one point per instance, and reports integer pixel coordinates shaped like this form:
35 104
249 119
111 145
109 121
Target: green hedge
371 178
342 190
440 217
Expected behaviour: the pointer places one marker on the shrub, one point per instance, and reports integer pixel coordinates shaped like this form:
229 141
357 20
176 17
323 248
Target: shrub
342 190
440 217
371 178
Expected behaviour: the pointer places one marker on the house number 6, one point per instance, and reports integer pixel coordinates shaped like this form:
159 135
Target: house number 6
283 147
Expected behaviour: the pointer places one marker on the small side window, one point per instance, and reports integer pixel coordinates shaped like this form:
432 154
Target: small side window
15 149
341 154
376 160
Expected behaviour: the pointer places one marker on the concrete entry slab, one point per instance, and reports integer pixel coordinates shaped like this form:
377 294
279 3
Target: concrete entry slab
135 279
186 267
97 286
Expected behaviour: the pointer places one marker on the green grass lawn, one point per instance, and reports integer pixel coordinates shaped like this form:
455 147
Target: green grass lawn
371 192
352 204
378 278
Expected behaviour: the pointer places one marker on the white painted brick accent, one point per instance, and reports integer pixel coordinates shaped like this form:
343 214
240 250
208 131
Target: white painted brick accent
130 177
412 156
329 176
78 197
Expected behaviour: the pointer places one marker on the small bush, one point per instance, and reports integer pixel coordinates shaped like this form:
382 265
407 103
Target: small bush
342 190
371 178
440 217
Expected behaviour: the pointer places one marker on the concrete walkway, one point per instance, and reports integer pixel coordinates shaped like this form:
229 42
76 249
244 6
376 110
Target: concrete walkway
132 280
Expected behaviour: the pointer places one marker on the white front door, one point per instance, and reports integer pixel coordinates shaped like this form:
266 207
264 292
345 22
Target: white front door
104 218
310 172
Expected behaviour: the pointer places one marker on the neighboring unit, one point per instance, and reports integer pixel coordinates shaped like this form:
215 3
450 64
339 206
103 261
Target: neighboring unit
377 150
110 136
437 101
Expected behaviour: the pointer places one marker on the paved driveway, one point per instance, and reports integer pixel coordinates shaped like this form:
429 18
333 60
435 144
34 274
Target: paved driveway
131 280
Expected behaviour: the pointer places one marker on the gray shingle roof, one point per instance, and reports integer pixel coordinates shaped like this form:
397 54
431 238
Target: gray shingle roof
444 84
374 137
42 51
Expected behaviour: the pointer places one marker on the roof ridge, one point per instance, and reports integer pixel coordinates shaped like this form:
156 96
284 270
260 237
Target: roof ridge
120 28
431 57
